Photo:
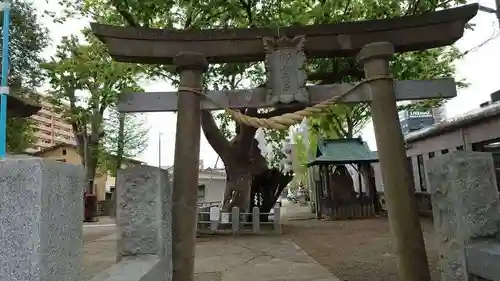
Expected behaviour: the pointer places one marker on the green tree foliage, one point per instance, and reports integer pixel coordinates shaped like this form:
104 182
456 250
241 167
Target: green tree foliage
86 82
340 121
126 136
27 40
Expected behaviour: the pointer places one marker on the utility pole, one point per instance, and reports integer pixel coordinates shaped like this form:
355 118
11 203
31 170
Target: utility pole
159 150
489 10
4 89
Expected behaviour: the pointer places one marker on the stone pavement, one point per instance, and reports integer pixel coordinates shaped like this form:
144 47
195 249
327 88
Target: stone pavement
291 211
98 255
227 258
249 258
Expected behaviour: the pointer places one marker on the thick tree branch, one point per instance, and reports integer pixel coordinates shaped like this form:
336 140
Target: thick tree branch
218 142
248 10
346 15
350 127
339 124
127 16
189 17
245 136
412 8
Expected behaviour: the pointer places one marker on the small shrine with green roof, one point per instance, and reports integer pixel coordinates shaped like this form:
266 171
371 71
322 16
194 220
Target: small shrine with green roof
331 174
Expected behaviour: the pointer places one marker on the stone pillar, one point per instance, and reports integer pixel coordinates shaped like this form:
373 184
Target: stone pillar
401 204
41 214
465 205
187 154
143 216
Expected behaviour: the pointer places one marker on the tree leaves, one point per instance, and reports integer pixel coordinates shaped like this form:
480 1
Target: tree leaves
126 136
86 82
341 120
27 40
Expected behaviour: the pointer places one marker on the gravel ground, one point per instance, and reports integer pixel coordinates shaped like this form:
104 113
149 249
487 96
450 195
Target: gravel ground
355 250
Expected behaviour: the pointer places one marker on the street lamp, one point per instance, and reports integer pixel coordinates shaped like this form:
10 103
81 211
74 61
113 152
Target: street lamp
159 150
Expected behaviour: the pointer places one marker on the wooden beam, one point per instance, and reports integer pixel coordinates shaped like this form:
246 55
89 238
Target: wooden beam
160 46
257 98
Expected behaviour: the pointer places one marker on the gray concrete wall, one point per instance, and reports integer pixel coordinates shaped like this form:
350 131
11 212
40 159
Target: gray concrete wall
144 204
41 214
466 209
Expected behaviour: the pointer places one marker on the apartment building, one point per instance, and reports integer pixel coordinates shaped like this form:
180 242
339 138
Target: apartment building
50 128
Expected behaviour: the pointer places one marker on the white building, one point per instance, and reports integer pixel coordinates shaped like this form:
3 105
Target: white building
211 185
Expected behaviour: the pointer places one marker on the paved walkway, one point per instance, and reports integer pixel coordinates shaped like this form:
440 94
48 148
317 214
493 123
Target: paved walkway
249 258
292 212
227 258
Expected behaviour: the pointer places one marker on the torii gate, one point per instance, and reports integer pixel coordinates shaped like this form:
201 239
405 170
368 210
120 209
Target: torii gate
285 50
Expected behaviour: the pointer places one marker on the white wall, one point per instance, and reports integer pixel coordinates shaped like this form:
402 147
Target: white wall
214 189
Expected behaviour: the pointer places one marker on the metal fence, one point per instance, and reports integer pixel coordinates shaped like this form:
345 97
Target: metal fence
355 211
213 220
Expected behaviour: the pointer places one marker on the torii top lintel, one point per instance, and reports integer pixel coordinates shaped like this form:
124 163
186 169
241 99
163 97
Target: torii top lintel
160 46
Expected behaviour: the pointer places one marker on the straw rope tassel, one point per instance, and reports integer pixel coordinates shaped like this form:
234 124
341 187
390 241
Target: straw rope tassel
284 121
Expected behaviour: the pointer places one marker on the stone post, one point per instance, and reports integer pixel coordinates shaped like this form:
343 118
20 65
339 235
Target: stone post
214 221
465 206
401 205
41 214
143 216
235 219
187 154
277 219
255 220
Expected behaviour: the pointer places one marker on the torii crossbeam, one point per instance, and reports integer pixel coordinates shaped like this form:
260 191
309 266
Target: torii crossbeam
160 46
257 98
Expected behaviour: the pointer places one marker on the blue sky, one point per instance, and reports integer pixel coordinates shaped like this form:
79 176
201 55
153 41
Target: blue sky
480 68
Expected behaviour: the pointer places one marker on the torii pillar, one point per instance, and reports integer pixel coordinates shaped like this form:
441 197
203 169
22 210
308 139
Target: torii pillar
401 204
190 66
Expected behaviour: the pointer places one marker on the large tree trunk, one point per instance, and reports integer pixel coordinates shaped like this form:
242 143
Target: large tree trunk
266 189
241 157
238 187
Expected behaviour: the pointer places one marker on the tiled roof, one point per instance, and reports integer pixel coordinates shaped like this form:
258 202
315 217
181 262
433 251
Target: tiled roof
343 151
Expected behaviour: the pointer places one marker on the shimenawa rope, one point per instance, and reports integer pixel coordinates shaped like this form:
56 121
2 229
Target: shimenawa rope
286 120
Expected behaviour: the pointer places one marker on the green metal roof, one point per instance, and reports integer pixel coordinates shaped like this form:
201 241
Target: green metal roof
343 151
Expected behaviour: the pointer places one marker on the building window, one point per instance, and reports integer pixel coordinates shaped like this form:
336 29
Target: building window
461 147
444 151
201 191
431 155
64 152
421 172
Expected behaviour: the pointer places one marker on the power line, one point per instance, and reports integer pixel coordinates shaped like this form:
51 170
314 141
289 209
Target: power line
494 35
489 10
